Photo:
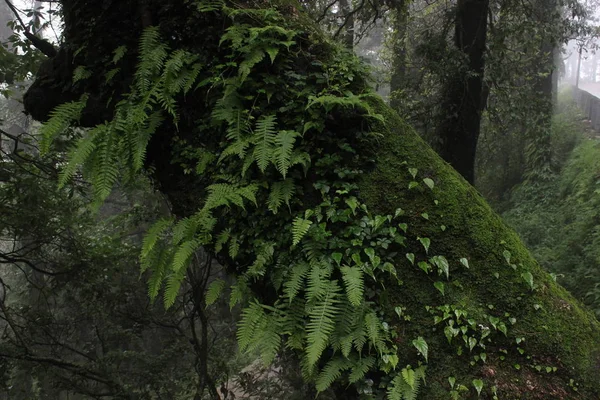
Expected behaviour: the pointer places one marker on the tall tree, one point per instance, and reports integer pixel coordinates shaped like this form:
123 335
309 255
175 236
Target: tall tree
284 166
464 95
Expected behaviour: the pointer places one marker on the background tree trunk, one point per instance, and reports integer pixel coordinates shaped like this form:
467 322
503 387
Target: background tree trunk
459 127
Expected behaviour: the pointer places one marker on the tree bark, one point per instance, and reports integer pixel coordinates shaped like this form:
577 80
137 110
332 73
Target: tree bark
497 277
398 79
459 127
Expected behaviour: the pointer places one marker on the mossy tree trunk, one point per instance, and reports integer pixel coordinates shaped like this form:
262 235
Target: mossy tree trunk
524 336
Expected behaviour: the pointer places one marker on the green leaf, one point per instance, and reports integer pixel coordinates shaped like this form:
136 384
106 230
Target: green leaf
429 183
425 242
528 277
464 262
421 345
506 255
411 258
439 286
478 384
300 227
412 184
413 172
214 291
354 283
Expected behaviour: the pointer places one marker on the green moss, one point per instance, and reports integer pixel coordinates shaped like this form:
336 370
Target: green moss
557 330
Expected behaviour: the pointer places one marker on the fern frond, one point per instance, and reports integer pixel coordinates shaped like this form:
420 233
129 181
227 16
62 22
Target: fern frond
282 152
214 291
239 291
183 254
281 192
321 323
153 235
106 166
355 284
373 327
172 286
252 322
251 59
80 154
222 194
81 73
300 227
159 270
360 368
331 372
210 5
264 138
296 281
60 118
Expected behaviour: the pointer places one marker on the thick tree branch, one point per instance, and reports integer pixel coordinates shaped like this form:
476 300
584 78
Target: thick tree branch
42 45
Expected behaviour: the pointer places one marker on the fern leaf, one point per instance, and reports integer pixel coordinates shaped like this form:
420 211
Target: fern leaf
396 388
118 54
214 291
106 167
183 254
284 144
321 323
264 138
373 327
296 281
281 192
253 320
331 372
153 235
60 118
79 155
159 270
360 368
300 227
172 287
355 284
234 247
238 293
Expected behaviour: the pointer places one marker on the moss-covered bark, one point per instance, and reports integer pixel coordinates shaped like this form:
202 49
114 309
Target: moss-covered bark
497 296
558 332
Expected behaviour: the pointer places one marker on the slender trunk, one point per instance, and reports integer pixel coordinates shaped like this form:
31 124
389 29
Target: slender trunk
463 97
398 79
347 33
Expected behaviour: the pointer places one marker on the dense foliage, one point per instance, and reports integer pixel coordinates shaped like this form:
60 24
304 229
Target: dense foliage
558 218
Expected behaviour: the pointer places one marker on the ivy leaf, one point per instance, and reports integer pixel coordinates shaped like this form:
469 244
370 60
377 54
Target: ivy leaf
506 255
472 343
465 262
425 242
451 381
421 345
411 258
337 257
429 183
442 264
440 286
528 277
413 172
478 384
413 184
